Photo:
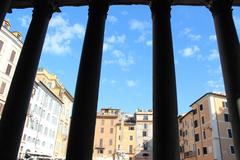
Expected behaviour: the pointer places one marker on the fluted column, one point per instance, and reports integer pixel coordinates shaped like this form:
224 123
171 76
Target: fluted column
228 45
16 106
81 136
4 8
165 137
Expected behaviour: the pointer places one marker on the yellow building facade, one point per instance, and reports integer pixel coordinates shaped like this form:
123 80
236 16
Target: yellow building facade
51 81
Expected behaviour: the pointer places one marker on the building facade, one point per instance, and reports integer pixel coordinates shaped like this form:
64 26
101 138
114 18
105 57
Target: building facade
126 138
41 125
205 132
52 82
144 134
10 48
105 134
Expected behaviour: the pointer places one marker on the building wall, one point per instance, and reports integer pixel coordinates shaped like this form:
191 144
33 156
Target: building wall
144 135
126 140
41 123
51 81
208 121
105 134
10 48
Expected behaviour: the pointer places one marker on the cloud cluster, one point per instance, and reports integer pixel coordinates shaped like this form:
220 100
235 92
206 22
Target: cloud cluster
190 51
120 59
190 35
60 35
213 55
143 27
131 83
25 21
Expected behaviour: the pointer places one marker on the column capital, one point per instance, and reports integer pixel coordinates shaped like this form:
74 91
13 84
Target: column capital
219 6
45 7
97 7
160 6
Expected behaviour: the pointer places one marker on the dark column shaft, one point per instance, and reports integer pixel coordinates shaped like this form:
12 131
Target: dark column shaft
15 110
165 140
81 136
228 45
4 7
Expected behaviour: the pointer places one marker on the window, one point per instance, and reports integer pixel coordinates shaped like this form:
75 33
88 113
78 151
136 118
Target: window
102 130
205 150
24 137
232 149
119 137
131 128
101 142
110 142
100 151
180 133
111 130
1 45
1 108
12 56
198 151
145 146
226 117
195 111
102 122
8 70
145 126
204 135
224 104
229 133
145 117
130 158
112 122
144 133
203 121
2 88
195 123
201 107
130 148
196 137
131 138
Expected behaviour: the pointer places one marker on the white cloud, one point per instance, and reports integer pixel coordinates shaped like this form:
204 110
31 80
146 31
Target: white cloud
116 39
120 59
131 83
112 19
190 51
215 84
187 32
60 35
212 37
138 25
25 21
124 13
213 55
149 43
194 37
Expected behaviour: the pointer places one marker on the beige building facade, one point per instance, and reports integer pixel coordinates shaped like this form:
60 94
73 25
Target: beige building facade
126 138
105 134
10 48
205 132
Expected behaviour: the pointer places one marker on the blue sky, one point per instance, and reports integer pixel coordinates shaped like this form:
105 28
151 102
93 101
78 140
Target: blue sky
126 76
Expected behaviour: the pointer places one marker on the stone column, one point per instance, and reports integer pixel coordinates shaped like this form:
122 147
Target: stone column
228 45
165 128
16 106
81 136
4 8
